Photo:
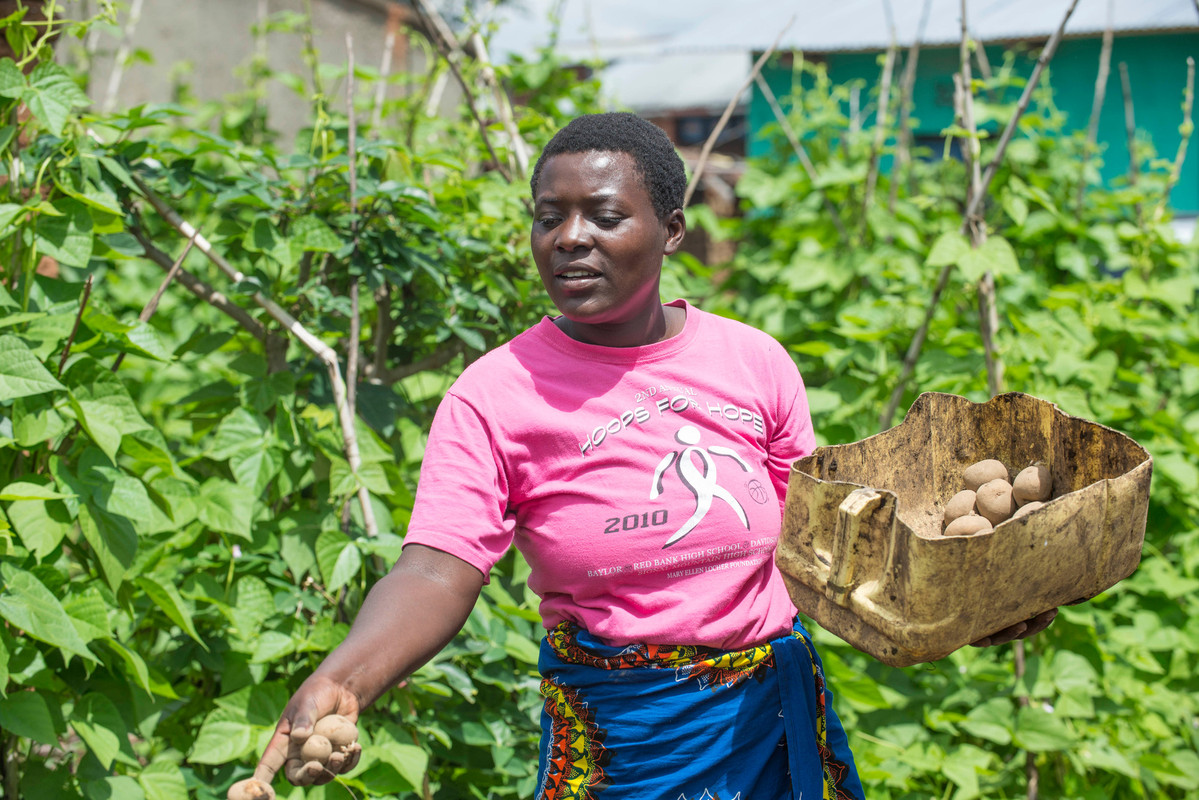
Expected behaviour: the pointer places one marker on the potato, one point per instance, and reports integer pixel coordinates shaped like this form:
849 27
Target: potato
959 505
994 500
316 748
302 773
250 789
337 729
983 471
1027 508
968 526
1033 483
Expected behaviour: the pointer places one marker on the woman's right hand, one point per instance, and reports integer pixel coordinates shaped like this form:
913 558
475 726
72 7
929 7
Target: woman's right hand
406 618
317 697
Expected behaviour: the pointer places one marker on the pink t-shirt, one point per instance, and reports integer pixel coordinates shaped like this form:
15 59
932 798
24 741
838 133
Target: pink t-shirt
644 485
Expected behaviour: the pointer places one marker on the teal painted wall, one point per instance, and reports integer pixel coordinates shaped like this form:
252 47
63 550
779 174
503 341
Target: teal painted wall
1157 72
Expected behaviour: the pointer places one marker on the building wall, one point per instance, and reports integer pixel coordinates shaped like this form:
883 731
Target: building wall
211 41
1157 72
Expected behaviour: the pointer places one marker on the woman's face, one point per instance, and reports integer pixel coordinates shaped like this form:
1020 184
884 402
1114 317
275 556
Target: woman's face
598 245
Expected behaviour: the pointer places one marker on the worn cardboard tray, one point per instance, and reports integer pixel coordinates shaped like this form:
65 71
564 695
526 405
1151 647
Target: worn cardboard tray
861 549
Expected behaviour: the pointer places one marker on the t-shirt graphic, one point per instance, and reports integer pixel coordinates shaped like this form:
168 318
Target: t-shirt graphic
701 483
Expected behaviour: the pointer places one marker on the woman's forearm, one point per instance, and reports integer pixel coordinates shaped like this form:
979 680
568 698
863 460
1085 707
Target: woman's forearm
405 620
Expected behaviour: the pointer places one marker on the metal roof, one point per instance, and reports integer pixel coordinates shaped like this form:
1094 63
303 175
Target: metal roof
845 25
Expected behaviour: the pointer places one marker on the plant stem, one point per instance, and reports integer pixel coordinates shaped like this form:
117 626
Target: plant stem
728 112
66 351
152 306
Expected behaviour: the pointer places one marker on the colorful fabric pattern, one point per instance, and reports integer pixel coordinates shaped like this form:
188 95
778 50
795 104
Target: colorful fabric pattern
689 722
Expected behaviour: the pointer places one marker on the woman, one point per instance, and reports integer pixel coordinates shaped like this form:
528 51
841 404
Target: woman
637 453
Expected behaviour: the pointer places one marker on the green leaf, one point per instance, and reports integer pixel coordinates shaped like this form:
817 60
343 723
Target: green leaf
113 539
134 663
226 507
311 233
408 760
167 597
52 94
1038 731
329 546
994 721
111 787
163 780
349 561
995 256
9 212
223 738
67 235
27 714
949 248
12 80
41 526
30 606
271 646
23 490
100 726
21 374
103 405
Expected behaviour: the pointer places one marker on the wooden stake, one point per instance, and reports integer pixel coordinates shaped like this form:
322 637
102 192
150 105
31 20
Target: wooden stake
1186 129
728 112
1105 63
322 351
907 84
917 343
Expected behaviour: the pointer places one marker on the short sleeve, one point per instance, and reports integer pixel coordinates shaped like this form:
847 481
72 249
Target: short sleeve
462 496
792 437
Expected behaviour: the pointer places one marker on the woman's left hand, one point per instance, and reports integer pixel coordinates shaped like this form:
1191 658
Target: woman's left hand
1021 630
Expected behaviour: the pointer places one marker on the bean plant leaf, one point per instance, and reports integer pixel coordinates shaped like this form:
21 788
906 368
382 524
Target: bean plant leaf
226 507
103 405
24 490
995 256
223 737
41 525
408 760
52 94
27 714
66 236
949 248
21 373
100 725
1039 731
28 605
163 780
12 80
167 597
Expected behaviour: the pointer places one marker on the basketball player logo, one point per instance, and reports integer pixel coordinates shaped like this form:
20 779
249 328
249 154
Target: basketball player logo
701 480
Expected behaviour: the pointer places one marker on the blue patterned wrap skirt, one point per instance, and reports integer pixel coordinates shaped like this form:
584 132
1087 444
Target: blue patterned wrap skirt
658 722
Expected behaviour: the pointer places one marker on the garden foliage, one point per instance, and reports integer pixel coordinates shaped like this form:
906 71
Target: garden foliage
180 534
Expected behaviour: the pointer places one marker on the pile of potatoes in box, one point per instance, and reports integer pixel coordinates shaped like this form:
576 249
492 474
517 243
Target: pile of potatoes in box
992 496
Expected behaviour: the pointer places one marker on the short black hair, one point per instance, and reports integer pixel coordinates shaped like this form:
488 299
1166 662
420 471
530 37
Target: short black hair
657 162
